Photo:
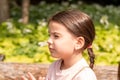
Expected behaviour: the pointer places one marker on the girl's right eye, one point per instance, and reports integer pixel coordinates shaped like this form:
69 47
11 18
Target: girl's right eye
56 36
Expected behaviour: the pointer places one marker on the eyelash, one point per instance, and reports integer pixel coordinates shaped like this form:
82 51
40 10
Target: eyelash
56 36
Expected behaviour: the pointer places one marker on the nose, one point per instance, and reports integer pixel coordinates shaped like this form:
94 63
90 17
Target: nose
49 41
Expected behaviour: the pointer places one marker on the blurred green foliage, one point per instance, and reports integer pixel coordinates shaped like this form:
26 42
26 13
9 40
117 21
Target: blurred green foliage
27 43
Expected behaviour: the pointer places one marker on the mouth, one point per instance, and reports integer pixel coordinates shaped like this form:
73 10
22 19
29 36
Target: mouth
51 50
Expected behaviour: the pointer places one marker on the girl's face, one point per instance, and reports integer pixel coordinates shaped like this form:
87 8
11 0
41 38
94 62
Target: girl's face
61 42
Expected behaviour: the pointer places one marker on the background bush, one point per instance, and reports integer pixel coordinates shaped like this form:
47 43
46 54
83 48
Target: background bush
27 43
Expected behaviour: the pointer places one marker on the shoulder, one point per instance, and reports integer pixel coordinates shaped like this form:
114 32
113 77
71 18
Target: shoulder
86 74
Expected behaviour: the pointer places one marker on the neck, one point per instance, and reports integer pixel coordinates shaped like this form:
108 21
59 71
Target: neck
67 63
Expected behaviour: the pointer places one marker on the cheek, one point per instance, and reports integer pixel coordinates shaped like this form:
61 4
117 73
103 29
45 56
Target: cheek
65 46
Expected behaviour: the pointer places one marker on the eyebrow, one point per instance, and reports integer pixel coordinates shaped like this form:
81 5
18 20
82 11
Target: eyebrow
55 33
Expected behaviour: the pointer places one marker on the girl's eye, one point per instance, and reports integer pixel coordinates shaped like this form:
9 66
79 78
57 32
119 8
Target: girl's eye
56 36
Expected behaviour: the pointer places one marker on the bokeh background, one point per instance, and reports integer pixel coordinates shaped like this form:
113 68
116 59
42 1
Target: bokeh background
23 29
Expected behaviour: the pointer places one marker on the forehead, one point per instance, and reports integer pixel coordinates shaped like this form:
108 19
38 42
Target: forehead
56 27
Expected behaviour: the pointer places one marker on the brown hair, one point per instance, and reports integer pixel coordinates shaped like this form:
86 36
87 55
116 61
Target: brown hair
80 24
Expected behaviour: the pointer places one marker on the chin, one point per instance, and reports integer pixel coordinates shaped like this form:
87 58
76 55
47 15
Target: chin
54 55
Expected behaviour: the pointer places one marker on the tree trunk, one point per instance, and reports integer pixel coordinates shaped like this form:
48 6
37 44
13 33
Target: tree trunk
4 10
25 11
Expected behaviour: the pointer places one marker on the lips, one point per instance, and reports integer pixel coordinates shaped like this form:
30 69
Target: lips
51 50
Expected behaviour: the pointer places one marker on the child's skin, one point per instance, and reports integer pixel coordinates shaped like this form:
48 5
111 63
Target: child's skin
31 77
63 44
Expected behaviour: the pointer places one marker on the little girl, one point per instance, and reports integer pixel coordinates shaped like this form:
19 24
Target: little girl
71 32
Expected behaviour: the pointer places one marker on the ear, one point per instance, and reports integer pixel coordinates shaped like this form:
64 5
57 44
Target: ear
80 41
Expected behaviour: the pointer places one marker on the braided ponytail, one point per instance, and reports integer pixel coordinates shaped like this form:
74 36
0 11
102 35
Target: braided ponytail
92 56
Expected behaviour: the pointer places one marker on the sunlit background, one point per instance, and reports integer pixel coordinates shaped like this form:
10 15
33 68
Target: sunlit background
24 41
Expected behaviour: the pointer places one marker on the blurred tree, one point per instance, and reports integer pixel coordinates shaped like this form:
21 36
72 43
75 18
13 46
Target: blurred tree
4 10
25 11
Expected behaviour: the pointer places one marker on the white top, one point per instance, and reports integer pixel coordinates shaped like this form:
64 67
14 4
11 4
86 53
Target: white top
79 71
